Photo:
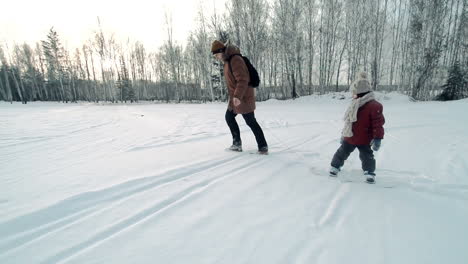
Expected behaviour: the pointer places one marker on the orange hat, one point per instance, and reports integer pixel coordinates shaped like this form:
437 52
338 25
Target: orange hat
217 47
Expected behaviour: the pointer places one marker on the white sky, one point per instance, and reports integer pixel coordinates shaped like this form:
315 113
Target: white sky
75 21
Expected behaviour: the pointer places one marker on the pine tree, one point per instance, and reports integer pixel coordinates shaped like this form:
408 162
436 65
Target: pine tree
124 85
456 86
54 54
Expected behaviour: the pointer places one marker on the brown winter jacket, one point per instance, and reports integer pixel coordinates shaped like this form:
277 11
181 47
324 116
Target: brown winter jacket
237 82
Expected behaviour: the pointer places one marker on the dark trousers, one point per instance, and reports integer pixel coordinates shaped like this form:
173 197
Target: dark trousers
251 122
365 154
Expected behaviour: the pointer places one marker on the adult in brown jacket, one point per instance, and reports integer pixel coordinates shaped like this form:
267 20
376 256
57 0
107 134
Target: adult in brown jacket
241 95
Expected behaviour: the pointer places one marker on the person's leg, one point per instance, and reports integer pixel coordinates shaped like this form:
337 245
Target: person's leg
256 129
367 158
233 126
342 154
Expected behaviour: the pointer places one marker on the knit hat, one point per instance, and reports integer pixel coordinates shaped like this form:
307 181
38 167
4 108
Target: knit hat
361 85
217 47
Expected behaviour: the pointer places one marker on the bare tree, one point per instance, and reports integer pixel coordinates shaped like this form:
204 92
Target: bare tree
311 38
426 44
7 93
298 47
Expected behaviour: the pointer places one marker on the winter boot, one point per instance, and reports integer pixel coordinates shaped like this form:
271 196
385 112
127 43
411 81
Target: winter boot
236 146
263 150
334 171
370 177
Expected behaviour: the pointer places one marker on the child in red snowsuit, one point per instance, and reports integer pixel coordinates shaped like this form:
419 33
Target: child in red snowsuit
363 129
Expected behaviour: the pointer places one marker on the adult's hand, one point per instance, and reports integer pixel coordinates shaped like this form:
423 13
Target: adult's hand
236 101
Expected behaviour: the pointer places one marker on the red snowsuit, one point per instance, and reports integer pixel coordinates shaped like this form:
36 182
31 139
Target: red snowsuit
369 124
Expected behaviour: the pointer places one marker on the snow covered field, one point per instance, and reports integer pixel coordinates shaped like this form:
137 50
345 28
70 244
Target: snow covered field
152 183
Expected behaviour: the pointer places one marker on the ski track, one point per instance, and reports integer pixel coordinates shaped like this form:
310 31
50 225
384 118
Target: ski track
28 228
174 140
127 223
332 212
141 216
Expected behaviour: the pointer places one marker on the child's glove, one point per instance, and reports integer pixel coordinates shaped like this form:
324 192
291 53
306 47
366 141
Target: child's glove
375 143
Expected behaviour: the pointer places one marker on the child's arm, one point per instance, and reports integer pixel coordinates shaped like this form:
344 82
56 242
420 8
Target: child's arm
377 120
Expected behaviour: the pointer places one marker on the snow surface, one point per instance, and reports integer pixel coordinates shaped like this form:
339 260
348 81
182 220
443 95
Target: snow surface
152 183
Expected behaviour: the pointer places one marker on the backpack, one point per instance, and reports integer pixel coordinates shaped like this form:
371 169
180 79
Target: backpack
254 78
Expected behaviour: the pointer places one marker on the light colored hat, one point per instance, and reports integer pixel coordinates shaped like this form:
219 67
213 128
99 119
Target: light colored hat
361 85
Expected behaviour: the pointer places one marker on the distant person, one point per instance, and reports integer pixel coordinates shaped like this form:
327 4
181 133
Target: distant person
241 95
363 129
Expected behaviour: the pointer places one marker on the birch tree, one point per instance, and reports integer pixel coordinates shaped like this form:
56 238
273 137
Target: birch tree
4 77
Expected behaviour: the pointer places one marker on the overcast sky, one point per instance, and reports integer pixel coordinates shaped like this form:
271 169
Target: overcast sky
75 21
